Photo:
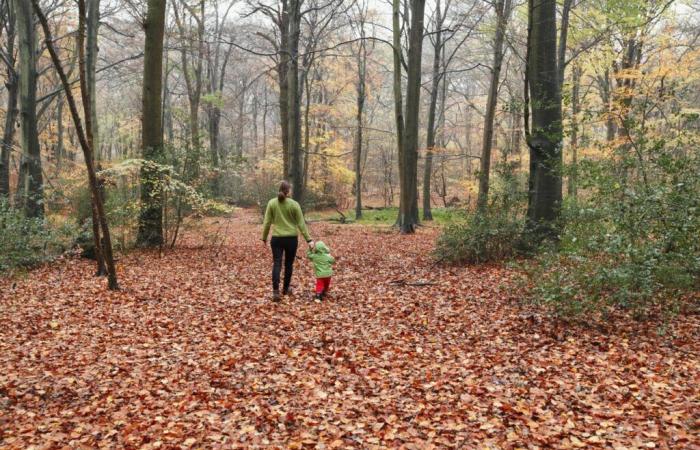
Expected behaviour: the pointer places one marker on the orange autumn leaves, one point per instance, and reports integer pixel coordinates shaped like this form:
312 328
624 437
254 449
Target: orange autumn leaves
192 354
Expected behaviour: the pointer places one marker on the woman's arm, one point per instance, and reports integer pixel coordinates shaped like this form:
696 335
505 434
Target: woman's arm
301 224
267 222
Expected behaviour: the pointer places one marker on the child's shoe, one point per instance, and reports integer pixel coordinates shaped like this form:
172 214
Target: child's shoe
318 298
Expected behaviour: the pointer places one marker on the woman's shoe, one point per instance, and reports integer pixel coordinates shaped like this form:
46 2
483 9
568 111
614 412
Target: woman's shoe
288 291
276 297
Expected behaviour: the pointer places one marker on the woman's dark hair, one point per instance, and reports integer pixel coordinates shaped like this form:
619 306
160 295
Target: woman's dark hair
283 193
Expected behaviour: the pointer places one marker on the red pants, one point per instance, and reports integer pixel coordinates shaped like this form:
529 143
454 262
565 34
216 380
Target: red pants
323 285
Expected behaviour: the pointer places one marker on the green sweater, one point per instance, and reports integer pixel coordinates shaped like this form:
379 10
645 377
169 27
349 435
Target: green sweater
286 217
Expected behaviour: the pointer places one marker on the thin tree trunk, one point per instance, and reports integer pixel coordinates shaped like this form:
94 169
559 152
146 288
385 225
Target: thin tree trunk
150 232
241 125
294 104
575 106
264 124
432 108
563 37
85 92
84 144
60 131
408 208
93 24
12 85
193 82
307 130
503 8
361 87
398 92
30 189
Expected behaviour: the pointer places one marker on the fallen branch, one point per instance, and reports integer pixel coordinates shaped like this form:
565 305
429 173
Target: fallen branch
412 283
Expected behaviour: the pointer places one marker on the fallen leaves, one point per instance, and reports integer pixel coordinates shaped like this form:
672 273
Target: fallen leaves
192 354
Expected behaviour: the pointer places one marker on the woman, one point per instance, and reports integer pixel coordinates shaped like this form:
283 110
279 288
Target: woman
286 219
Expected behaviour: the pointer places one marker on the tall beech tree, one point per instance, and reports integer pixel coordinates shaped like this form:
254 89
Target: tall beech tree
31 183
545 137
408 206
7 15
151 217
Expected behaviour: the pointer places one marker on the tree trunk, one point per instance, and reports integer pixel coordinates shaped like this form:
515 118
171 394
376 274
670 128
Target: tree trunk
88 102
563 37
30 190
398 91
93 24
12 85
544 140
282 72
192 74
241 125
503 8
293 102
408 207
432 108
84 144
60 131
361 87
150 232
575 106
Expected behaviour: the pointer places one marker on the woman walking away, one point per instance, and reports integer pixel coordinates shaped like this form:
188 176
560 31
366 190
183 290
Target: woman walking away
286 219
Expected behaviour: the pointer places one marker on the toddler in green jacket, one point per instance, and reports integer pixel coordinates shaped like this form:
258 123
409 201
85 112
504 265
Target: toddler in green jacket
320 256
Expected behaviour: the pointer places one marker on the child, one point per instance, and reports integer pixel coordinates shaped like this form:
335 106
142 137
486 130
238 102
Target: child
320 256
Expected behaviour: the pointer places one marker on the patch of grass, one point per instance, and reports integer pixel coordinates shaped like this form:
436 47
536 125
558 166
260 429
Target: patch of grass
387 216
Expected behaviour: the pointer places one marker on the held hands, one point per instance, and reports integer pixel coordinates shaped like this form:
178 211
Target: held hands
311 244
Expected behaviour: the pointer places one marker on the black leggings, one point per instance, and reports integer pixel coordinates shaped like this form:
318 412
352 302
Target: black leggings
286 246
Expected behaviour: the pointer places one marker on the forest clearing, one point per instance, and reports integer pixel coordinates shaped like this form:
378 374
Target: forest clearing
350 224
192 354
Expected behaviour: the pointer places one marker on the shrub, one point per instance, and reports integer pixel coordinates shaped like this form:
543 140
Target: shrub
632 244
26 242
493 234
482 238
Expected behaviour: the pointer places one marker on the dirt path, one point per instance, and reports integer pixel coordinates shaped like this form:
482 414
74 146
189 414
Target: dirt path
191 353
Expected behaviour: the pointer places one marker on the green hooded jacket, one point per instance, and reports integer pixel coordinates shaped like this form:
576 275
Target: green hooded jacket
323 262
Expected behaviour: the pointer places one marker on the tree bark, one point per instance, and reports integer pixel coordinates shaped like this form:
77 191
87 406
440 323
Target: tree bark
408 208
293 101
150 232
88 102
192 73
544 140
503 8
398 91
282 72
575 107
30 190
563 37
12 85
93 25
432 108
361 88
84 144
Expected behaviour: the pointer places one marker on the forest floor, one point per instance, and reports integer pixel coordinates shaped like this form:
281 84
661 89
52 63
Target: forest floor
191 353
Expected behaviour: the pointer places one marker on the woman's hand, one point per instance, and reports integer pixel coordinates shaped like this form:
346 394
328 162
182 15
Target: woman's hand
264 242
311 244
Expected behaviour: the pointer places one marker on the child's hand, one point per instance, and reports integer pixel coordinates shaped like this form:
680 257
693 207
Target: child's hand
312 244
